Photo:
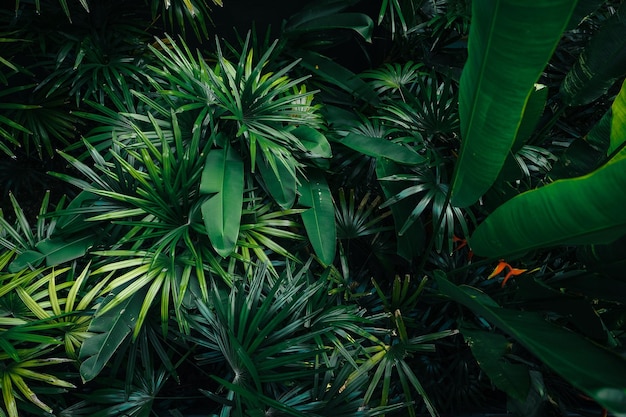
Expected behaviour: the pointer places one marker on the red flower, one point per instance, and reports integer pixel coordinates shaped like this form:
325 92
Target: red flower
512 271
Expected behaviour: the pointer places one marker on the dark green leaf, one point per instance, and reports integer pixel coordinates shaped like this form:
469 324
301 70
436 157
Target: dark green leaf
508 51
112 328
382 148
223 176
319 219
602 62
589 367
489 349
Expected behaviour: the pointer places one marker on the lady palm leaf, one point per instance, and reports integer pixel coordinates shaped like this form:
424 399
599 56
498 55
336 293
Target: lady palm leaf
394 78
432 191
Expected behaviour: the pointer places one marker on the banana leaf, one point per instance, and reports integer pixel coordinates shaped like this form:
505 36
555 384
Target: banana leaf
223 177
319 219
510 44
583 9
601 63
591 368
581 210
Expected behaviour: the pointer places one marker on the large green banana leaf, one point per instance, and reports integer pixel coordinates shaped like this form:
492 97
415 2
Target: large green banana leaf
510 44
319 219
596 371
581 210
602 62
224 178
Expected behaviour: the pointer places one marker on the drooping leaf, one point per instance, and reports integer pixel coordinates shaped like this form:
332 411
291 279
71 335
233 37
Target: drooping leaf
601 63
582 210
382 148
488 349
280 180
532 113
591 368
357 22
314 141
223 176
55 251
112 328
508 50
319 219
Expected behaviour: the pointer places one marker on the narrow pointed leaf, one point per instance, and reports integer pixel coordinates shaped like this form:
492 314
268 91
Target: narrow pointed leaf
591 368
508 50
618 122
601 63
319 219
223 176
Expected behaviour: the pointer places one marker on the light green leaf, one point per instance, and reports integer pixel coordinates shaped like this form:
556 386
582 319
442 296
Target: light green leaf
602 62
112 328
223 176
596 371
382 148
582 210
510 44
319 219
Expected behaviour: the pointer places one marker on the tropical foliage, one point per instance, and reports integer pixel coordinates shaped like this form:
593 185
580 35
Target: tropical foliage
340 208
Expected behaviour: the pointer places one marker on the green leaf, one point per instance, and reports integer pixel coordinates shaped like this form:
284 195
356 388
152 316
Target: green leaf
489 349
510 44
280 180
382 148
411 243
319 219
223 176
618 122
112 328
582 210
602 62
316 144
358 22
55 251
532 113
589 367
583 9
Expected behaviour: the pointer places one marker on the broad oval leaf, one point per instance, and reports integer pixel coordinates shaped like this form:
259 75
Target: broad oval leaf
382 148
319 219
280 179
582 210
112 329
223 176
510 44
602 62
596 371
316 144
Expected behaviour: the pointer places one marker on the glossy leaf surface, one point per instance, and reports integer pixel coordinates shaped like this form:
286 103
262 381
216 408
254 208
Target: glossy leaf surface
508 50
596 371
112 328
222 177
319 219
382 148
